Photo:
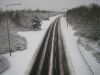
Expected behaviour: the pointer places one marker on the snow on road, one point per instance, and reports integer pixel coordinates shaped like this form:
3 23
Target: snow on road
20 61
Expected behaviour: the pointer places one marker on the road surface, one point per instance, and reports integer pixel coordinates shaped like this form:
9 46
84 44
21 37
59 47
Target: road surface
50 58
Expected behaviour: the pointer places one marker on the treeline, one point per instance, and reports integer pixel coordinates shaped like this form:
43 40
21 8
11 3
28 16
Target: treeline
24 17
85 20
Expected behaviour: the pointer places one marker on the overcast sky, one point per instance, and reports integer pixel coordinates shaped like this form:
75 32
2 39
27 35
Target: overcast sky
58 5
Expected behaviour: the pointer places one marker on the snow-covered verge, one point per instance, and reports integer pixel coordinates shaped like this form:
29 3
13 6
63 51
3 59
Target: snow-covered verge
20 61
91 56
91 46
80 61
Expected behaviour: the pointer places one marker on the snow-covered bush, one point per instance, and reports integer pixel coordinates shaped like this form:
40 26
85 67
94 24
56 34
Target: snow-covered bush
4 64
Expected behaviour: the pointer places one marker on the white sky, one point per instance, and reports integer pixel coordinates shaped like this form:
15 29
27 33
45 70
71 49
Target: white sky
58 5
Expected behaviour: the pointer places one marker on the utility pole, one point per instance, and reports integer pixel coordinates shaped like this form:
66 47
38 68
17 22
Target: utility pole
8 30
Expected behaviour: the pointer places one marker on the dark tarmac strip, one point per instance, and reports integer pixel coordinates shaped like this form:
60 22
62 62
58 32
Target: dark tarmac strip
51 58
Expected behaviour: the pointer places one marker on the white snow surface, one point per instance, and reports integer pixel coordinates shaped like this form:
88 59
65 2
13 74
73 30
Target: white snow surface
77 64
94 65
20 61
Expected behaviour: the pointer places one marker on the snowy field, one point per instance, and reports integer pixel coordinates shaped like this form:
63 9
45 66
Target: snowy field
20 61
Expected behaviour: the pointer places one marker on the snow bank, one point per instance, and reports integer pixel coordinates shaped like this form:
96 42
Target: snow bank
95 66
20 61
74 51
76 62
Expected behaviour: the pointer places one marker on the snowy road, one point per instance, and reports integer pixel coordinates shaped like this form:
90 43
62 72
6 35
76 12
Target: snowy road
59 53
51 58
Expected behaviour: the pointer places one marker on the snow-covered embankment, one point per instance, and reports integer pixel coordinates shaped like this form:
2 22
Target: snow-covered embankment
77 64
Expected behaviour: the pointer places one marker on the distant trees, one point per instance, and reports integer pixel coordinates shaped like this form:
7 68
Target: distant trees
85 20
23 18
